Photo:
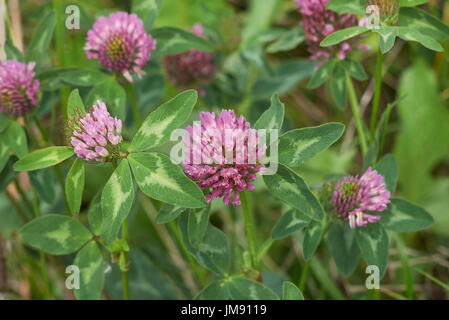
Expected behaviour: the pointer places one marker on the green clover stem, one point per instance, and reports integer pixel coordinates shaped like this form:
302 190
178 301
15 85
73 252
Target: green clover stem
376 99
125 282
131 93
249 230
355 111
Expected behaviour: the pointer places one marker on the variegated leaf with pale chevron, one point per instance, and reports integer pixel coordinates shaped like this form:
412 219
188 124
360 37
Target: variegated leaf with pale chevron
43 158
55 234
158 126
160 179
116 201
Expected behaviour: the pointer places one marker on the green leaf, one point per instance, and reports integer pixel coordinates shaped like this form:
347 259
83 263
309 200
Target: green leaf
116 201
146 280
373 243
197 225
236 288
388 169
75 105
45 184
17 139
423 22
95 215
312 238
273 117
338 86
5 150
169 213
260 16
5 121
90 263
387 38
288 41
160 179
282 79
111 93
291 292
41 39
213 252
43 158
244 289
158 126
355 69
299 145
409 34
55 234
214 291
423 141
289 223
343 35
147 11
343 247
322 74
12 53
84 78
344 6
74 186
403 216
411 3
291 189
173 40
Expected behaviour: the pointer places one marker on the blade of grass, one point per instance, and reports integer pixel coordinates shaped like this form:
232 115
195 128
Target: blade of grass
325 280
432 278
405 265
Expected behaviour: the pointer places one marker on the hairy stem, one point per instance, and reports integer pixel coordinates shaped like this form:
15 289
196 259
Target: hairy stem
249 223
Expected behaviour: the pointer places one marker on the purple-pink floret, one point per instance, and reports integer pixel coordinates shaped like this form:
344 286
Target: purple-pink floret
355 198
18 88
97 135
223 155
120 43
190 69
319 22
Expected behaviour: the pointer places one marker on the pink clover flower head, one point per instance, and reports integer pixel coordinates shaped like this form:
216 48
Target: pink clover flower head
355 198
120 43
96 135
191 69
319 22
223 155
18 88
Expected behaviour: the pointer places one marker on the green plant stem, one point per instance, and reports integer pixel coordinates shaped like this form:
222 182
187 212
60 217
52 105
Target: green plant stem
8 23
23 196
40 127
249 223
174 228
59 40
37 214
131 93
376 99
17 207
60 176
125 282
302 280
355 111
